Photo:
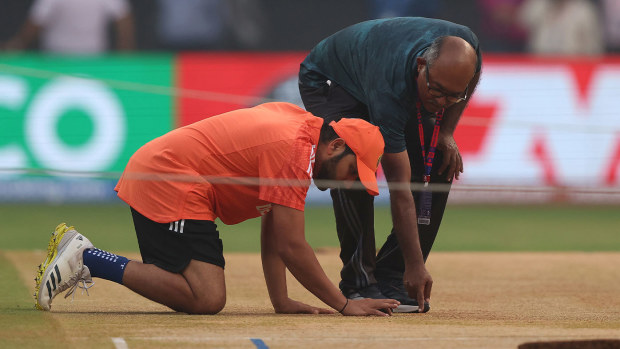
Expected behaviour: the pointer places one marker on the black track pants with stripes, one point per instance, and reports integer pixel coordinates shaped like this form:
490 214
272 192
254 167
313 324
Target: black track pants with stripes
354 209
354 212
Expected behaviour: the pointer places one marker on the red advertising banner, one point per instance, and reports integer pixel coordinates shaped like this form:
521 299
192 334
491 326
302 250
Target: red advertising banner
532 121
214 83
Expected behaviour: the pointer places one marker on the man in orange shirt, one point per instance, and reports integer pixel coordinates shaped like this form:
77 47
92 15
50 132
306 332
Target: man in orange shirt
234 166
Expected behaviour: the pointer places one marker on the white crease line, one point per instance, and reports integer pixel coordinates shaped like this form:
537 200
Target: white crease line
382 339
119 343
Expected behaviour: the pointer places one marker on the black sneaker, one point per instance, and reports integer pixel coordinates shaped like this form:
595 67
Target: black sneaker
395 289
371 291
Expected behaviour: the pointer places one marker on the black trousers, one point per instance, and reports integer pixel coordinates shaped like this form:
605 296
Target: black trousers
354 209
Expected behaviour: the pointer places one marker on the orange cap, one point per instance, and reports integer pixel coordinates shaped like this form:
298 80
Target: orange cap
367 143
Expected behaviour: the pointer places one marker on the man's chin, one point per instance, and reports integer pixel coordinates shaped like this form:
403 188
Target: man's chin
322 188
431 108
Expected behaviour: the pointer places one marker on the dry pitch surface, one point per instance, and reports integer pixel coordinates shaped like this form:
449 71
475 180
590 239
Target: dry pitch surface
480 300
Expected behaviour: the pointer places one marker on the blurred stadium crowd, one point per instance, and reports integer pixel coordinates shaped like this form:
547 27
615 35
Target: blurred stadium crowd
564 27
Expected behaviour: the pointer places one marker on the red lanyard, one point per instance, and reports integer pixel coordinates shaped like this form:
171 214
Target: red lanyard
428 157
426 198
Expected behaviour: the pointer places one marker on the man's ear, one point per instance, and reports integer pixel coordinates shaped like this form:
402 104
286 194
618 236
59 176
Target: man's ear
336 147
421 63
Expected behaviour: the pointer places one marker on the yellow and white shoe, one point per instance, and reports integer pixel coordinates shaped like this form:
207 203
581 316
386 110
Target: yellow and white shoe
63 268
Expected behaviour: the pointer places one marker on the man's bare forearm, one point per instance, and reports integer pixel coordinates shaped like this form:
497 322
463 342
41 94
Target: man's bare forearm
405 226
398 174
273 269
283 234
125 40
301 261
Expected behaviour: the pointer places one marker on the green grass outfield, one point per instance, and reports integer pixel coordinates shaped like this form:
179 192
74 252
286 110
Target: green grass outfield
464 228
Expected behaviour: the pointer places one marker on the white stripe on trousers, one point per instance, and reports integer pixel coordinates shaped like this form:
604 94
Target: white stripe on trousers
174 226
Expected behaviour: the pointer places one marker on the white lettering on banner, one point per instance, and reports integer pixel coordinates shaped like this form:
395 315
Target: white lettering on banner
100 105
13 92
544 132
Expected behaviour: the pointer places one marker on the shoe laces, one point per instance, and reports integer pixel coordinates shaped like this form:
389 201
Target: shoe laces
77 280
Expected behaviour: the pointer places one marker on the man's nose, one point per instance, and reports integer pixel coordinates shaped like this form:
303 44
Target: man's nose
443 101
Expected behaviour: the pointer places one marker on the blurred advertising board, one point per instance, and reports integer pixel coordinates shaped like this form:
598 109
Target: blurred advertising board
69 125
536 130
545 122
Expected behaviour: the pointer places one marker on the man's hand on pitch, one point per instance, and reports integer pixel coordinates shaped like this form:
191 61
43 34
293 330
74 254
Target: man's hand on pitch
452 160
291 306
418 283
369 306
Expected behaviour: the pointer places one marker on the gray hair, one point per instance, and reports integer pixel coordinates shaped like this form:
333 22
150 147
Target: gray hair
432 52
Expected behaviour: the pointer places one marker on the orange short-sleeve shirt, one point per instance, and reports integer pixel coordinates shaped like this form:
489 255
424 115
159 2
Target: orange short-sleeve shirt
231 166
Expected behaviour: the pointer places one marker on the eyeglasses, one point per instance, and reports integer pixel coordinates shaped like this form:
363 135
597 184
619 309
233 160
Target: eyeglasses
435 93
